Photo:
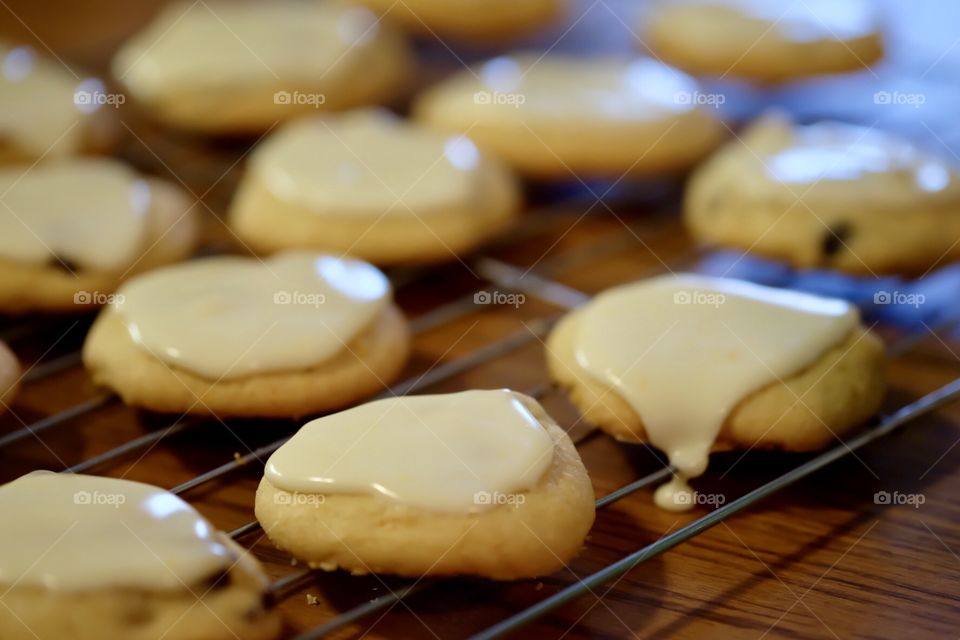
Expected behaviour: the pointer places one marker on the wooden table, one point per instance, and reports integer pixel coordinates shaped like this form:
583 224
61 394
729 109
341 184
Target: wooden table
820 559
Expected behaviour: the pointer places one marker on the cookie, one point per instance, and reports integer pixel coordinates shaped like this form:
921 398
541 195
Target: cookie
374 186
471 20
558 117
296 334
9 377
72 230
48 111
692 364
474 483
828 195
90 558
240 68
765 41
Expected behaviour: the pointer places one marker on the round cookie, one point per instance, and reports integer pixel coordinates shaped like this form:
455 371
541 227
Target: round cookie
74 229
371 185
279 352
516 534
557 117
765 41
9 377
240 68
137 591
48 112
472 20
828 195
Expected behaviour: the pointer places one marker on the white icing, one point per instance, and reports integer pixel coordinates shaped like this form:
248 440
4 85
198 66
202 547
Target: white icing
92 212
76 532
225 44
38 111
229 317
369 163
683 351
459 452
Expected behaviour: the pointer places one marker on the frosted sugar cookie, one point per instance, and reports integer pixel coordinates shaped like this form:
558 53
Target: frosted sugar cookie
375 186
234 68
692 364
295 334
90 558
71 230
559 117
478 483
828 195
9 377
483 20
48 111
765 40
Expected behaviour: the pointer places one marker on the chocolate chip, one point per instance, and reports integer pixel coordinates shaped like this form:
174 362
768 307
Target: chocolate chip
61 263
835 239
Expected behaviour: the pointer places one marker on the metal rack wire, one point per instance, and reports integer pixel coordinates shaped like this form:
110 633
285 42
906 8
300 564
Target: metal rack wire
541 284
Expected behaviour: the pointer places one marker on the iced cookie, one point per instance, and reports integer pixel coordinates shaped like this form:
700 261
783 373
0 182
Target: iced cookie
561 117
9 377
239 68
478 20
692 364
764 40
90 558
48 111
71 230
478 483
292 335
374 186
828 195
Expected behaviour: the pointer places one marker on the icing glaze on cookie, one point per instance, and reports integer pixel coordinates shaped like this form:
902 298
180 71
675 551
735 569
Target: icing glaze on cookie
220 45
89 212
369 163
684 350
459 452
41 111
229 317
72 532
848 162
557 88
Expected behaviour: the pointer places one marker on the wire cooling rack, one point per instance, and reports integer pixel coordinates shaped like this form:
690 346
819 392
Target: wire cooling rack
497 276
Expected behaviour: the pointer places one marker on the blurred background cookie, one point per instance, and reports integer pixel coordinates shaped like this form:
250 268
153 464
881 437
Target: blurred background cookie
372 185
9 376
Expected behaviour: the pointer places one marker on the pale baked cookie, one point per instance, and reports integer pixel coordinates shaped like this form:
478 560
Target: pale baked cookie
477 20
9 377
828 195
693 364
239 68
72 230
295 334
557 117
477 483
90 558
48 111
765 40
374 186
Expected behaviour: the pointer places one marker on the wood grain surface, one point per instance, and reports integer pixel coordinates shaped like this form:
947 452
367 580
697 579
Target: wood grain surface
821 559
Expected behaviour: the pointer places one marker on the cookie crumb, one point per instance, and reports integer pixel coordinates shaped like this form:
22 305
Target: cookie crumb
538 587
312 600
